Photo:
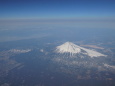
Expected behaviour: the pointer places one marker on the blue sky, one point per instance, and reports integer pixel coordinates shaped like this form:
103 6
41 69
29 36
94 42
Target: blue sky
18 16
55 9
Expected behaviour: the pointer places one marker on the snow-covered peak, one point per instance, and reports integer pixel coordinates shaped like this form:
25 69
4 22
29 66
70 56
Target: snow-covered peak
68 47
74 49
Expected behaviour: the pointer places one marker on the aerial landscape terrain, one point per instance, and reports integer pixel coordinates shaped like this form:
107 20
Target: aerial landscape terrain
57 43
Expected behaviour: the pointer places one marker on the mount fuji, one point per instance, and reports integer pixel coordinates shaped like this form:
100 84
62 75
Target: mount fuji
71 49
72 59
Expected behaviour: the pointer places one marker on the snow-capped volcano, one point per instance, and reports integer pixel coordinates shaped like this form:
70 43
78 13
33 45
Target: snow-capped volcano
74 49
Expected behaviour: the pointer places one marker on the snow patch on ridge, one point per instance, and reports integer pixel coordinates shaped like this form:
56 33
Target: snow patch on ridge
73 49
20 51
109 66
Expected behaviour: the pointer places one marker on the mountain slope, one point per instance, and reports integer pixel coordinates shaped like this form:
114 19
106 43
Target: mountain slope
73 50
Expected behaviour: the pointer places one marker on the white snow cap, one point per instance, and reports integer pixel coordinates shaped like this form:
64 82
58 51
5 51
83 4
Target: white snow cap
68 47
73 49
